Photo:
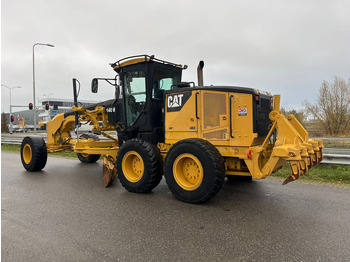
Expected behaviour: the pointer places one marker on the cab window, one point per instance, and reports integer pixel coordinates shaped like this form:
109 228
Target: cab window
164 79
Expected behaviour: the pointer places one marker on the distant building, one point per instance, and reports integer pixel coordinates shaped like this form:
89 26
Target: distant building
57 106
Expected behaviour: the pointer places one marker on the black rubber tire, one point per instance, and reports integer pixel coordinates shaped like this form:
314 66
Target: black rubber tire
36 153
232 178
152 166
213 170
86 159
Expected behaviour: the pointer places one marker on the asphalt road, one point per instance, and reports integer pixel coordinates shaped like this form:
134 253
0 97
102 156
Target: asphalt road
65 214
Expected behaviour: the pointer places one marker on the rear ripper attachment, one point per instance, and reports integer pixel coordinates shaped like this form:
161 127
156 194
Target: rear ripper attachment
287 140
194 135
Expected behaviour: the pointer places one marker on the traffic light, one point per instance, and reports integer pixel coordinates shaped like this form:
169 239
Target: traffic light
47 107
12 118
30 106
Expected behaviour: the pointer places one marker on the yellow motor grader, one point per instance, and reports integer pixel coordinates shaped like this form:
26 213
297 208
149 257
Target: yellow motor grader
194 135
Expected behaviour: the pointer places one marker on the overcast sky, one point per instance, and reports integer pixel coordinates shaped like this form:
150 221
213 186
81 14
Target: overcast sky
284 47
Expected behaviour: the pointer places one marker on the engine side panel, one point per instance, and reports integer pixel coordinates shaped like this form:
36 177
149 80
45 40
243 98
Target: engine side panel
223 118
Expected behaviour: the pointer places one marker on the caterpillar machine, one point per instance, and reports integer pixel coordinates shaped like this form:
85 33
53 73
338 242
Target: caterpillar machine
193 135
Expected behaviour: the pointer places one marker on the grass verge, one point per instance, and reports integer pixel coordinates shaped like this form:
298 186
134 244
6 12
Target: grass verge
17 149
321 173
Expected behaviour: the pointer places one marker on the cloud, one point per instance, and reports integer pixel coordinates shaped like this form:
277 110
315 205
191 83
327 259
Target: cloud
285 47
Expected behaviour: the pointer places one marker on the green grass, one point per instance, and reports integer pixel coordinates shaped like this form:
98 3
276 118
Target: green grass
65 154
10 148
321 173
17 148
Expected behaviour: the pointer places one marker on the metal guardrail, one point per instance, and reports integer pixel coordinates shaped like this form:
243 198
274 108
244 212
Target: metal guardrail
337 151
335 159
336 156
333 156
14 140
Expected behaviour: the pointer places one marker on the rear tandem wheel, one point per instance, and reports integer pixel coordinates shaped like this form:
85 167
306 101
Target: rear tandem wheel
194 170
234 178
139 166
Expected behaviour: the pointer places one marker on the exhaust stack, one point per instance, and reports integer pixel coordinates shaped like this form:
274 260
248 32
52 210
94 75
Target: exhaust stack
200 73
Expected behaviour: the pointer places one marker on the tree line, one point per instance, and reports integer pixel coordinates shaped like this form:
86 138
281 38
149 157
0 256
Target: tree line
331 110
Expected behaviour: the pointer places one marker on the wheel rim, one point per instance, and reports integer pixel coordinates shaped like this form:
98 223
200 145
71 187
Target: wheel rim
84 155
27 153
133 166
188 172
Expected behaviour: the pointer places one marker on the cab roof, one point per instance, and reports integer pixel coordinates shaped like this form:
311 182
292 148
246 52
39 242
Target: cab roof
132 60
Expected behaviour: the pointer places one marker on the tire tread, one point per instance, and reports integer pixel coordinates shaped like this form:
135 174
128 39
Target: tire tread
39 153
154 166
215 157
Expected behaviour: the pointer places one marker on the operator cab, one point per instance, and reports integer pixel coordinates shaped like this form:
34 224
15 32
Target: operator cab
139 106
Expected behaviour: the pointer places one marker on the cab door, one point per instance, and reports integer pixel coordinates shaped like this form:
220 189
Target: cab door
134 84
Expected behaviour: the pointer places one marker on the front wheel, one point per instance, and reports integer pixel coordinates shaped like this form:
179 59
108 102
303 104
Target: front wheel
33 153
194 170
87 158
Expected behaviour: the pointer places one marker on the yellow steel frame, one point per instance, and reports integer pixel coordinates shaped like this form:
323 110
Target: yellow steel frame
244 155
59 138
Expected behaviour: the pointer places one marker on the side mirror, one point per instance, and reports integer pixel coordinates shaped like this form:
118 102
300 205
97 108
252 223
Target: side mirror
94 85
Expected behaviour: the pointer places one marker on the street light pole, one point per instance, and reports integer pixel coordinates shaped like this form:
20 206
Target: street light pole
34 109
10 88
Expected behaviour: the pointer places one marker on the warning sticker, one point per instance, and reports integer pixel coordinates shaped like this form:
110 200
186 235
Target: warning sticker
242 111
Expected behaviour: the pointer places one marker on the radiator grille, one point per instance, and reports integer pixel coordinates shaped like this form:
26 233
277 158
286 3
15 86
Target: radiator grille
218 134
214 105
